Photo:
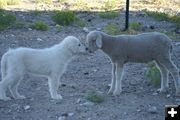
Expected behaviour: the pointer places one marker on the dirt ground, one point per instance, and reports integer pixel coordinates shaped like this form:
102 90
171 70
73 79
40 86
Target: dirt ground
139 100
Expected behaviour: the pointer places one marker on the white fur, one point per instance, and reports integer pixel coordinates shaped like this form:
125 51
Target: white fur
49 62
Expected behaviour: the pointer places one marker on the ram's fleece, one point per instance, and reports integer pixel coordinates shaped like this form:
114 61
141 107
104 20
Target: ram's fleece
141 48
49 62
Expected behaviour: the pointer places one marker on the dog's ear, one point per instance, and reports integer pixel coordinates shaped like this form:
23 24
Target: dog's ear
99 41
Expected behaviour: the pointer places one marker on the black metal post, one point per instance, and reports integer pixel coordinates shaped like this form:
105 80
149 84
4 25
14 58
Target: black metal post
127 15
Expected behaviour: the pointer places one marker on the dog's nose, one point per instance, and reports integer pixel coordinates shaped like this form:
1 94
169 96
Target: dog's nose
86 49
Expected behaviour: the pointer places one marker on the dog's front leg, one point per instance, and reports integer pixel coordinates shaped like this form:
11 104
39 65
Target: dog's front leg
53 87
119 72
113 81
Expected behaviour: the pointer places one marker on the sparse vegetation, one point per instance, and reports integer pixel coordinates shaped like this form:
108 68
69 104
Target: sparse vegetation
2 3
40 25
43 1
13 2
64 17
80 23
8 2
109 14
164 16
6 19
61 1
95 97
18 25
111 29
58 28
135 25
109 5
153 74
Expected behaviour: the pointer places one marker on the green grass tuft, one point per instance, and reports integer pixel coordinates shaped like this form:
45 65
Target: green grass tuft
109 14
95 97
111 29
40 25
153 74
80 23
135 25
6 19
64 17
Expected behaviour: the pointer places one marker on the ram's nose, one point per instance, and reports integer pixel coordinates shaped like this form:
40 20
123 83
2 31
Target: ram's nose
87 49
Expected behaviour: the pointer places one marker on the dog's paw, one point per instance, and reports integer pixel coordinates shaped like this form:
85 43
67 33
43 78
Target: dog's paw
20 97
5 98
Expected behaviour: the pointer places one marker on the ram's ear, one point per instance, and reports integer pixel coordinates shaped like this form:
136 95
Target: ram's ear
99 41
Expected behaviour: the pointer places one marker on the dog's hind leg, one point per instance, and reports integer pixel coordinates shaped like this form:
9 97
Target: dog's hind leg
3 87
14 88
113 81
53 87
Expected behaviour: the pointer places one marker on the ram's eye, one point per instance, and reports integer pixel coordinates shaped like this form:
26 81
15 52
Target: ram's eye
79 44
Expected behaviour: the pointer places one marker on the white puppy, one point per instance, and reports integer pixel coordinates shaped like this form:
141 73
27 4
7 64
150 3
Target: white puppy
49 62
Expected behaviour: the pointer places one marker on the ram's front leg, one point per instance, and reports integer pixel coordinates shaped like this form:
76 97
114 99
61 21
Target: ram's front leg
119 75
113 81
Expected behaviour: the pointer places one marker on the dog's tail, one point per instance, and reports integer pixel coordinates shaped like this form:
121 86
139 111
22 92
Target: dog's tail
4 66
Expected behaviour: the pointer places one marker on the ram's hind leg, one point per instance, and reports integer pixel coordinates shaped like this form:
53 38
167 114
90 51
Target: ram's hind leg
164 78
167 63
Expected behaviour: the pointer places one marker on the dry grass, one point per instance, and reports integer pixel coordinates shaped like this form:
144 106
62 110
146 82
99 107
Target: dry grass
100 5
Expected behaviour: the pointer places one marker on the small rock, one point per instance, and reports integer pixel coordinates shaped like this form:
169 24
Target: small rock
89 119
138 110
155 93
125 113
78 100
151 27
85 29
63 85
39 39
153 110
86 73
70 114
12 35
87 104
168 96
26 107
89 20
29 29
98 29
62 118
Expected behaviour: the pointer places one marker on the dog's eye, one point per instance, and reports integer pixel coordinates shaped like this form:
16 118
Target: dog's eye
79 44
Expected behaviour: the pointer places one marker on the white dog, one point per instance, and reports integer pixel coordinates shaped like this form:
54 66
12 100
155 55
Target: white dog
49 62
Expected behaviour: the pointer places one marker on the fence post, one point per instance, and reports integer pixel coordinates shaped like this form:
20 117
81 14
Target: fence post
127 15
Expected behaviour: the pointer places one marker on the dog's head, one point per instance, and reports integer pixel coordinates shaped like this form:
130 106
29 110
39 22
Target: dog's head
75 46
94 41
